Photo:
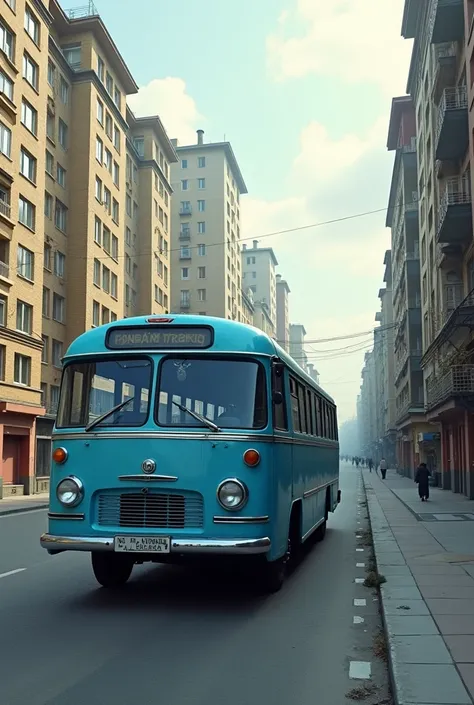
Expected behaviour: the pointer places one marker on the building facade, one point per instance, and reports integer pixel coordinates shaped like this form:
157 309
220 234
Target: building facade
258 273
297 351
283 312
85 198
206 251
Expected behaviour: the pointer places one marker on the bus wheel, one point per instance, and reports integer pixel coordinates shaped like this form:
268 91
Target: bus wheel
111 570
320 532
272 574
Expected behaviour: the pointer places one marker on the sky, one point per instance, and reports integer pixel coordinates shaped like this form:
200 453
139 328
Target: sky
302 89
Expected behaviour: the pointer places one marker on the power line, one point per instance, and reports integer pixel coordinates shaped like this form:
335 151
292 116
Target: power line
349 336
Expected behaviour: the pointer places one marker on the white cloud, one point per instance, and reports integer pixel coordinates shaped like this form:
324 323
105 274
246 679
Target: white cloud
353 40
167 97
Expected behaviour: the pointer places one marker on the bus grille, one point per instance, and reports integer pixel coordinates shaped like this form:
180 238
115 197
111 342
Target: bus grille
151 510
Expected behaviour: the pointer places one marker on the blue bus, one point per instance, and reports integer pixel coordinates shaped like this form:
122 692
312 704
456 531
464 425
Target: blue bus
189 435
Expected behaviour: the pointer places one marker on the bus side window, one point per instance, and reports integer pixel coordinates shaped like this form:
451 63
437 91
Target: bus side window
328 421
336 430
314 411
294 405
280 420
309 413
302 407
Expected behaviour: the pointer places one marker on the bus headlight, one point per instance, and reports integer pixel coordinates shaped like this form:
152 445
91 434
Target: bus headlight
232 494
70 491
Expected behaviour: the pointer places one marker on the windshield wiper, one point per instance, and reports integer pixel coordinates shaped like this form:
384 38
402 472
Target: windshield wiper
108 413
207 422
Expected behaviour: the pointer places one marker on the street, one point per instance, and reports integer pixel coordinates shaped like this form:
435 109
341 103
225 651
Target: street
177 637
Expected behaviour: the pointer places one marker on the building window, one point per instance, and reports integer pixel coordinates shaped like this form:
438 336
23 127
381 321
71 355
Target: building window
108 125
106 279
72 54
184 272
108 160
117 98
51 73
50 126
28 165
115 211
116 174
97 230
30 70
5 140
184 163
32 25
99 150
60 216
95 313
128 205
61 175
3 310
100 69
109 83
113 285
105 315
63 91
7 42
201 162
201 227
58 308
184 185
201 272
56 353
106 239
24 317
59 264
185 298
201 250
6 86
107 200
98 189
201 206
117 138
201 294
139 144
128 236
29 117
45 350
114 252
100 111
46 301
96 277
26 213
62 133
201 184
22 373
49 164
47 257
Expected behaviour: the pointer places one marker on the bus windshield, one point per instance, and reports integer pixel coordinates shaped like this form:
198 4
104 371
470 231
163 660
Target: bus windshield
91 389
230 393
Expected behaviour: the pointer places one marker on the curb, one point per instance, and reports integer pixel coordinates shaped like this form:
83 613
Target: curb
18 510
398 682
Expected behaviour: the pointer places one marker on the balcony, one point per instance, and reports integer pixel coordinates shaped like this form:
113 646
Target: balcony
185 303
185 209
456 383
455 212
445 68
185 253
452 128
82 12
446 23
185 234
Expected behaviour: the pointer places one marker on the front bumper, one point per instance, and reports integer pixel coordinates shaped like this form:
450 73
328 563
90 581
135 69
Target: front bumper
54 544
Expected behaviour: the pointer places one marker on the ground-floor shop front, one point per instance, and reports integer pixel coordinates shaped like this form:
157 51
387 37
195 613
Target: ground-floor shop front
18 448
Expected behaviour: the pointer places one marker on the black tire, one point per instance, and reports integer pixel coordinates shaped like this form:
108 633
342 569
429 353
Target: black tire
273 575
320 532
111 570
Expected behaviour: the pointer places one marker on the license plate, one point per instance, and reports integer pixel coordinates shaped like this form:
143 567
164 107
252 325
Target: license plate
142 544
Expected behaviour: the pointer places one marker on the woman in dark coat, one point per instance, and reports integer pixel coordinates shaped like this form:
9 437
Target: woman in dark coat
422 477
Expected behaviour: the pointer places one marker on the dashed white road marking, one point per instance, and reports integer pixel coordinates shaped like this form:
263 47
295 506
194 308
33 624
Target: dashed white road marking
360 602
360 670
12 572
359 581
358 620
360 565
360 550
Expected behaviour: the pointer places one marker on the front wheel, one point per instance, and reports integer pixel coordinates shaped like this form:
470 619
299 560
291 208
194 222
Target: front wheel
111 570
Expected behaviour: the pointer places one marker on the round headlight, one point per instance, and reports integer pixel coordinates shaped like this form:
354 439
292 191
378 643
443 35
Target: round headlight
232 494
70 491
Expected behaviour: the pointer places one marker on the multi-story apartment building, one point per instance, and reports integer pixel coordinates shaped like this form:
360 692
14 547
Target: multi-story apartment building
313 372
282 312
403 219
258 273
206 252
440 85
297 351
72 251
367 409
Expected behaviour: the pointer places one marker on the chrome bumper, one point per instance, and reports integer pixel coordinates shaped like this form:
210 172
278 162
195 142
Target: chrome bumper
217 546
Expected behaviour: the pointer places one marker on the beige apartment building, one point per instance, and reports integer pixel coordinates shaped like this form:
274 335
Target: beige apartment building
282 312
206 251
258 274
85 199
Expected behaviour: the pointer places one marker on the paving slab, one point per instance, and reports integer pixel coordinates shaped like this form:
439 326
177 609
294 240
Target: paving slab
450 606
467 673
420 649
457 592
400 593
405 625
408 607
455 624
430 683
461 647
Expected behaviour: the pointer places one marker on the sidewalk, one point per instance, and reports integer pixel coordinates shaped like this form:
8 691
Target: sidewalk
14 505
426 553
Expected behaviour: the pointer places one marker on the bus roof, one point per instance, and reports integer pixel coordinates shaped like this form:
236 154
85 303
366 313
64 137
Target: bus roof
229 336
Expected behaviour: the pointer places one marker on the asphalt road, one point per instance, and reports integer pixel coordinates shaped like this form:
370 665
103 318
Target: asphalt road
177 637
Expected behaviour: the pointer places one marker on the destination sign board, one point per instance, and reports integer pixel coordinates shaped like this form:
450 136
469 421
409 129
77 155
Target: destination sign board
159 338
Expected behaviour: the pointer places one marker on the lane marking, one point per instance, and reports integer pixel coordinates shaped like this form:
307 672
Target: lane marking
360 565
358 620
12 572
359 581
360 550
360 670
359 602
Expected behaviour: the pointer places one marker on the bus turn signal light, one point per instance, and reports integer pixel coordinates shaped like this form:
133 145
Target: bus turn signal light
60 455
251 457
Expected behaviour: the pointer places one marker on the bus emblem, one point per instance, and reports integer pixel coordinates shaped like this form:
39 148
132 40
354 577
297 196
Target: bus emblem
149 466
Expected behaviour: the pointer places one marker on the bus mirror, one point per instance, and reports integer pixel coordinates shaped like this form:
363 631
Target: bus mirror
277 398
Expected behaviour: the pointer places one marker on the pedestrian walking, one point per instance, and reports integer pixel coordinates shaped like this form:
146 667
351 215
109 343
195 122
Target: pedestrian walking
371 464
422 478
383 468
